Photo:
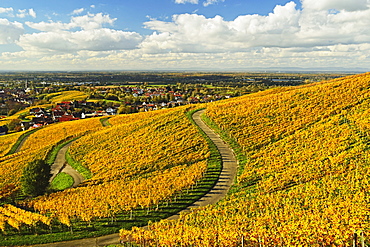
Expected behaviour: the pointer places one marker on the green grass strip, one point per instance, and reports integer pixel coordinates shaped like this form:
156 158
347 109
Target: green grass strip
105 122
86 173
20 139
215 160
240 156
61 181
54 152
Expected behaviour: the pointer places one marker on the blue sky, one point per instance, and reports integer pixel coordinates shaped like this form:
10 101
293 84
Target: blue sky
183 34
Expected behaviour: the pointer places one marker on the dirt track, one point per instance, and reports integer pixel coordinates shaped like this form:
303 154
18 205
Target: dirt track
60 165
217 193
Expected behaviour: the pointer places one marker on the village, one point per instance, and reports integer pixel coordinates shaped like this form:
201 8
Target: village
105 94
100 101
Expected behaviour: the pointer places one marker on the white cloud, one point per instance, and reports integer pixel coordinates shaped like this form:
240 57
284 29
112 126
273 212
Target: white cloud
10 31
205 3
352 5
6 10
92 6
49 26
186 1
32 13
91 36
286 26
92 21
196 33
67 42
77 11
209 2
86 22
327 33
349 56
22 13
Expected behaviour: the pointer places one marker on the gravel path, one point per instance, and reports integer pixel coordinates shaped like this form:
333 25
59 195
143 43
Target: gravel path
228 173
60 165
21 144
218 192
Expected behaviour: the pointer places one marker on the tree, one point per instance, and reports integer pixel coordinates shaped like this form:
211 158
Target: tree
13 124
12 112
35 178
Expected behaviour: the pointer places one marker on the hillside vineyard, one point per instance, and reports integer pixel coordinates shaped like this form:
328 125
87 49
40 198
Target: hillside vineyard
303 176
141 160
39 145
306 178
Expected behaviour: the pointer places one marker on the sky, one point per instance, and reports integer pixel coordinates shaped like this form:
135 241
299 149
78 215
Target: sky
218 35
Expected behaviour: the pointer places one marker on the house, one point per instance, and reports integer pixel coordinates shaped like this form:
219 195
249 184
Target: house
110 111
66 118
34 126
43 120
37 110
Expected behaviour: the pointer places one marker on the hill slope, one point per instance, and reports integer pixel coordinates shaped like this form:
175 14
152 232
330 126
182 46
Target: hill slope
139 162
306 179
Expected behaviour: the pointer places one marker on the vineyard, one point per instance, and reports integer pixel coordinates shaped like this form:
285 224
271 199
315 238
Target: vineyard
7 141
304 182
39 145
66 96
132 166
137 161
306 178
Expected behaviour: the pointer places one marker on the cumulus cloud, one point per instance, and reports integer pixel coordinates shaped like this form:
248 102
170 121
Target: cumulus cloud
10 31
32 13
77 11
352 5
92 40
91 35
195 33
322 33
22 13
6 10
85 22
286 26
92 21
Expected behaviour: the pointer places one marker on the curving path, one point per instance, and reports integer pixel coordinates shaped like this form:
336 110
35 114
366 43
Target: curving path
218 192
228 173
60 165
21 144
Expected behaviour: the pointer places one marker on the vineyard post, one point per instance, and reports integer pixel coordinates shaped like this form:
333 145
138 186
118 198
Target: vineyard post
362 239
354 243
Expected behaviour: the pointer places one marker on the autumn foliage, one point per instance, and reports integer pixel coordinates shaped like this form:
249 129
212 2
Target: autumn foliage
306 180
138 161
